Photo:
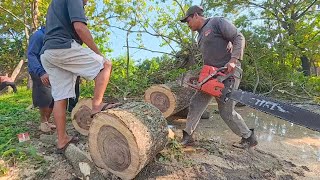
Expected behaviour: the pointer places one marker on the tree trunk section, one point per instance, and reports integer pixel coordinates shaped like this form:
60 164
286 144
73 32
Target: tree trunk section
123 140
80 116
16 71
305 64
169 98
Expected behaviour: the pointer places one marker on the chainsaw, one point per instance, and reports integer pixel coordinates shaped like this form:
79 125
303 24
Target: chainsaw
211 81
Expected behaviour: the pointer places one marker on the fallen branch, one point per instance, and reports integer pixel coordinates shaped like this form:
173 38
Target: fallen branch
294 95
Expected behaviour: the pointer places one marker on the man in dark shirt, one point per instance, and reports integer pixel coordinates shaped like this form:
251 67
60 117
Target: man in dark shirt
214 35
64 59
41 90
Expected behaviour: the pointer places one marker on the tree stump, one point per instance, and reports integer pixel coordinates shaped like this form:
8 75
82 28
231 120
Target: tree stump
80 116
169 98
123 140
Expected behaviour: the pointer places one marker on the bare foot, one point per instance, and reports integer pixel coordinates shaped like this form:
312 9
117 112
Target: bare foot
104 106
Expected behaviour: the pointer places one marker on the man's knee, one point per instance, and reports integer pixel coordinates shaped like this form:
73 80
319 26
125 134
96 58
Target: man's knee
107 64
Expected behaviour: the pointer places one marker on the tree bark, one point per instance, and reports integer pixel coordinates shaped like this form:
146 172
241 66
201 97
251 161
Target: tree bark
169 98
305 64
123 140
16 71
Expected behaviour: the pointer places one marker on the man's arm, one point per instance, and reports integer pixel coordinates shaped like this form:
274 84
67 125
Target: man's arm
85 35
34 48
79 22
230 33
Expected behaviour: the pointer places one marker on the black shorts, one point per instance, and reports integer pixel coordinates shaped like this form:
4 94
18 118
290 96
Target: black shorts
41 95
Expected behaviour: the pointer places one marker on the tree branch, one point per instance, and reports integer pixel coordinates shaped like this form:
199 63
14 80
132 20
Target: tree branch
27 26
141 48
306 10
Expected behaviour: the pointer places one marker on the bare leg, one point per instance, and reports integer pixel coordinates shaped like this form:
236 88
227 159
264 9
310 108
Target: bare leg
45 114
101 82
59 112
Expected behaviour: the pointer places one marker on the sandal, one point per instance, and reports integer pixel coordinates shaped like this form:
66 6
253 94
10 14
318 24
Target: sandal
46 127
107 106
73 140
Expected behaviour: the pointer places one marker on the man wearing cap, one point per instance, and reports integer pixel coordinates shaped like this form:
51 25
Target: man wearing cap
214 35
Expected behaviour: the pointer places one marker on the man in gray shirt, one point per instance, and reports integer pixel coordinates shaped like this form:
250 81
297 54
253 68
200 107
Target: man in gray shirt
63 58
214 35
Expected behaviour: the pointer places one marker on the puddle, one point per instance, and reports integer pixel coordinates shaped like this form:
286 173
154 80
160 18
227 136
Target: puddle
284 139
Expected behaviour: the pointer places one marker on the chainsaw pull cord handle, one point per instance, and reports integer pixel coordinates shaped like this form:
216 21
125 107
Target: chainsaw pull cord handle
211 76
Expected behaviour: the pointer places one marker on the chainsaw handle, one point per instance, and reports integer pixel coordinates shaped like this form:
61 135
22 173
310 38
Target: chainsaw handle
221 69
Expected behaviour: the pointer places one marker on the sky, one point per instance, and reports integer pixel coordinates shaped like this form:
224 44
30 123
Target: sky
118 41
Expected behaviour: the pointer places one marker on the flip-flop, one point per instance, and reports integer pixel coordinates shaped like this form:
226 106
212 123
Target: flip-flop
105 107
73 140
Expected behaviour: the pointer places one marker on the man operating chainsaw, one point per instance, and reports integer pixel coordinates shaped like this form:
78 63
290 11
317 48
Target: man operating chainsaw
214 34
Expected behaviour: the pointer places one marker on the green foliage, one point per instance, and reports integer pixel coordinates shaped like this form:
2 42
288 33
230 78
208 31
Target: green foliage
3 169
141 76
173 152
13 120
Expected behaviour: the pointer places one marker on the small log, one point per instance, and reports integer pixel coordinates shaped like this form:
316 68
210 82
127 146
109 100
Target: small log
80 116
16 71
82 164
169 98
123 140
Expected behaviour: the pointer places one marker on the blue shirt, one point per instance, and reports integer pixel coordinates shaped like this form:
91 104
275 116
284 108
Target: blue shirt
35 45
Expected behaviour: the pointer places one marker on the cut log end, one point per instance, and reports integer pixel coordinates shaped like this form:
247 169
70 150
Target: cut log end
160 100
161 97
123 140
81 116
117 156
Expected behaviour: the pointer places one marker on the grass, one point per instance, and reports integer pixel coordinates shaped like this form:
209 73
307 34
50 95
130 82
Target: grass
15 118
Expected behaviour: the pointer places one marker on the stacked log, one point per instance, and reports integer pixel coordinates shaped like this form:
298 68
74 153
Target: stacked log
169 98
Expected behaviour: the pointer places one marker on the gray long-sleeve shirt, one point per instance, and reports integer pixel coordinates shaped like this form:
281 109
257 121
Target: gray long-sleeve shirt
213 39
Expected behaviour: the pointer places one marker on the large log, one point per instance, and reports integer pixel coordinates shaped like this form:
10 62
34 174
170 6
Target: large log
123 140
169 98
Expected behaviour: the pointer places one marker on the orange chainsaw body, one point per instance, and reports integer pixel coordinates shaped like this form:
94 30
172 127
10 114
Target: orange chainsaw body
213 86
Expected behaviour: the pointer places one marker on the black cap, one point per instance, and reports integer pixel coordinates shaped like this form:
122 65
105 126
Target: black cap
192 10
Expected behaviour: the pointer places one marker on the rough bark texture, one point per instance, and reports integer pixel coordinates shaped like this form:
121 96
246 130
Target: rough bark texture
170 98
80 116
123 140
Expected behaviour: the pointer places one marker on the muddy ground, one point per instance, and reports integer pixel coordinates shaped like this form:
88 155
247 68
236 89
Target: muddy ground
213 157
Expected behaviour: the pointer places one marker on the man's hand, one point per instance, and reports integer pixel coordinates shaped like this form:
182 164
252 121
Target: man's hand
45 79
231 64
229 47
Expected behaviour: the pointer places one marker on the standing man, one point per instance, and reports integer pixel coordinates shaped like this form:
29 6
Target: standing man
64 59
214 34
41 91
